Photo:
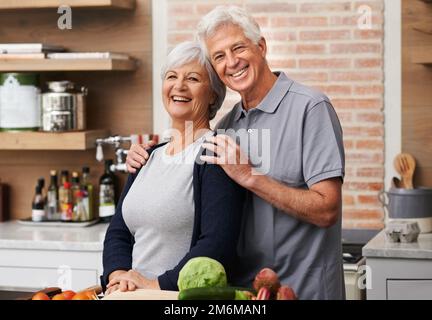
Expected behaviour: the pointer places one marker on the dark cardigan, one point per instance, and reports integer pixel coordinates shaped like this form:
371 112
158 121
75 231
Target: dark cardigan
218 210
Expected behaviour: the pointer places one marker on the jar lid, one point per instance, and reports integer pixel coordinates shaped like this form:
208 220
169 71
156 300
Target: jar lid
61 86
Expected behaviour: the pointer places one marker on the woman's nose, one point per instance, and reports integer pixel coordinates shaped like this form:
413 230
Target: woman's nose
179 84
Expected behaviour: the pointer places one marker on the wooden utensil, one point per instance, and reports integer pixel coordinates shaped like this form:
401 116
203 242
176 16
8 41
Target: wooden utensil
405 164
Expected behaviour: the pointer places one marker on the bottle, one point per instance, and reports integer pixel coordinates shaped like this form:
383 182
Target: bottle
53 198
64 177
38 205
75 188
66 202
88 193
79 210
107 193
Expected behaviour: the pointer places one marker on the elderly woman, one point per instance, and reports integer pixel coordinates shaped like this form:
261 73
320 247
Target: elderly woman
175 208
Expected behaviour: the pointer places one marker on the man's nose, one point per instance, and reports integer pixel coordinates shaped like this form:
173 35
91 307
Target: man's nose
232 60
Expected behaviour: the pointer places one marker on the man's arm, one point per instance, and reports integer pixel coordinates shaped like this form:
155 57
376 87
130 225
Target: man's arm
320 205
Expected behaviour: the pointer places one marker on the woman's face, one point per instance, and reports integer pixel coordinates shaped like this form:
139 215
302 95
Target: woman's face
187 93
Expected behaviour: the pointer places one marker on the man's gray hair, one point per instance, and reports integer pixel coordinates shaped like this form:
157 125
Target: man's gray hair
224 15
190 51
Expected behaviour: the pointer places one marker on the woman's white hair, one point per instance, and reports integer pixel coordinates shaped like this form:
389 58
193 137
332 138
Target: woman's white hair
187 52
224 15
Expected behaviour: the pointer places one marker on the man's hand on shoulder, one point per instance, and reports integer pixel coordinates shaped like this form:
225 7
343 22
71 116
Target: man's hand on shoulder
137 156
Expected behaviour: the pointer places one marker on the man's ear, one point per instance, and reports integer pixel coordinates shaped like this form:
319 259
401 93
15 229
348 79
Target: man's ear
213 98
262 45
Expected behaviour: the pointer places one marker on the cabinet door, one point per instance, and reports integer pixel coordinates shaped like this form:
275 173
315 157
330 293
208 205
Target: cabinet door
409 289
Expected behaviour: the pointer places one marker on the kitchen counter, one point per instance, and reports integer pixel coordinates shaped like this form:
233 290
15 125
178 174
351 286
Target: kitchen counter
16 236
378 247
398 271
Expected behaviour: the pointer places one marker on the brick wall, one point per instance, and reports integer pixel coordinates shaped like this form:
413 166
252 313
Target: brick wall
320 43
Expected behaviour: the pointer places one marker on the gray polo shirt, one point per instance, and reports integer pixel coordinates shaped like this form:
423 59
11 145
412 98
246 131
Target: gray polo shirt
295 137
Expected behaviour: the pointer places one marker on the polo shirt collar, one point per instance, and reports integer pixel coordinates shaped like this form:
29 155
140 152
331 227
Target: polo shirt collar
273 98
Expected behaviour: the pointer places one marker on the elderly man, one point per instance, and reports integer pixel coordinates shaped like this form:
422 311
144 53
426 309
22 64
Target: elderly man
292 218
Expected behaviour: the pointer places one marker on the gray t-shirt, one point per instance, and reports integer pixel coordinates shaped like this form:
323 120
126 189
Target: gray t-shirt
293 136
159 210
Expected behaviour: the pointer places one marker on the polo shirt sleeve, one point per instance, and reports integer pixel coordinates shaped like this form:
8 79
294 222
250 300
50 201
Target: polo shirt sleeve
323 152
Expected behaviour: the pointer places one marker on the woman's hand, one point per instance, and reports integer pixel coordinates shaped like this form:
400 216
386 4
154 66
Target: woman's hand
130 281
137 156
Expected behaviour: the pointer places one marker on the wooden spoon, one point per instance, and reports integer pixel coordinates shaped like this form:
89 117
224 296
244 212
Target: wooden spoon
405 164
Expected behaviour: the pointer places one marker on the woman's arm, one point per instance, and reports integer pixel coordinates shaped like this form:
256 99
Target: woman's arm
118 243
221 202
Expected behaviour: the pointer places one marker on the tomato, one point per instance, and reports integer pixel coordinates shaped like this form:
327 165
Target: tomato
40 296
59 296
68 294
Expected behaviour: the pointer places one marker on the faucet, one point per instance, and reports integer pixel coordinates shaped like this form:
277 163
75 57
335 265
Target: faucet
116 141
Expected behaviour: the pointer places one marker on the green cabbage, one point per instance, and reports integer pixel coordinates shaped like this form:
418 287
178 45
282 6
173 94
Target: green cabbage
202 272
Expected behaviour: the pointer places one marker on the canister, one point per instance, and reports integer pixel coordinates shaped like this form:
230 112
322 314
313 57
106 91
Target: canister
19 102
63 107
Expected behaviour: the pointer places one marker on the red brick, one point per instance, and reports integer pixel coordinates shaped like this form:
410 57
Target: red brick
358 103
344 116
349 131
177 9
363 186
309 76
364 157
183 24
368 34
325 7
356 76
283 49
295 22
369 90
377 20
311 48
370 117
374 5
348 144
280 35
368 199
368 63
175 38
324 63
271 7
348 200
279 63
362 214
339 48
325 35
335 90
370 144
362 224
370 172
263 22
203 8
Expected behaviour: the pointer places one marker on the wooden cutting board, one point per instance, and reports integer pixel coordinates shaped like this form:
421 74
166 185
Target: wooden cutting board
143 294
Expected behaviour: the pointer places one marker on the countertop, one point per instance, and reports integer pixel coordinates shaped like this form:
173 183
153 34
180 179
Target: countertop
16 236
378 247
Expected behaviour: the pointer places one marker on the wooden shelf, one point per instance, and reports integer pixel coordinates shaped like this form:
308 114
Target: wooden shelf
421 55
47 4
27 140
67 65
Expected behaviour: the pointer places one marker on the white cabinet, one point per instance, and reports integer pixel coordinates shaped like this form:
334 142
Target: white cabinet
39 257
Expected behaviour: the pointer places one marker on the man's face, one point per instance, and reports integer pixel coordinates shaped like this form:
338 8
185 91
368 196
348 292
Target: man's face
237 60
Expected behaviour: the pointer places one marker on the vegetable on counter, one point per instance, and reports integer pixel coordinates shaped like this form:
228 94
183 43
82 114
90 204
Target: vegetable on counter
202 272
